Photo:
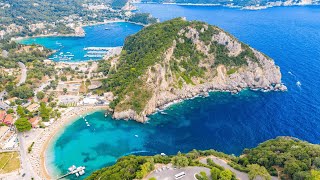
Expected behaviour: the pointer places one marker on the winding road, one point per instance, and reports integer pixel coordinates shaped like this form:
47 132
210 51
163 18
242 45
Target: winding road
23 77
240 175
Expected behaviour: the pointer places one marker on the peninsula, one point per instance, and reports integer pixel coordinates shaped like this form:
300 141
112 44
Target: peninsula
278 158
178 59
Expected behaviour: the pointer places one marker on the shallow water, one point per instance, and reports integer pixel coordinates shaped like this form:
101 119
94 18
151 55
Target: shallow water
228 123
96 36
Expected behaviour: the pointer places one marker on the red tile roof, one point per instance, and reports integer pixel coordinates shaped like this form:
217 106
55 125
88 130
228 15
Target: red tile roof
2 115
8 120
34 121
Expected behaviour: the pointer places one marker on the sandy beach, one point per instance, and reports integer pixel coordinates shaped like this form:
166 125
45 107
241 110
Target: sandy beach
37 156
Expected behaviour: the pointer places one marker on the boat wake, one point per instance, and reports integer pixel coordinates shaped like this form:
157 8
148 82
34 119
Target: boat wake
136 152
298 83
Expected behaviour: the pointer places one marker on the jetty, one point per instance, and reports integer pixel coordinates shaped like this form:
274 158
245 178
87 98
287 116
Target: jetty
97 48
78 171
100 52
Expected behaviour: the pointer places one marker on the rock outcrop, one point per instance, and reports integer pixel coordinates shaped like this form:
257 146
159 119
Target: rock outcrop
225 64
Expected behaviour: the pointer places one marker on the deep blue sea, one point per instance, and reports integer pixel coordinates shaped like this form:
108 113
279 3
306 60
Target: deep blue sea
96 36
225 122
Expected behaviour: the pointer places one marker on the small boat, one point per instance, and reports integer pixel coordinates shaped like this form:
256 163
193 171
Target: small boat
298 83
72 168
136 135
107 29
163 112
88 125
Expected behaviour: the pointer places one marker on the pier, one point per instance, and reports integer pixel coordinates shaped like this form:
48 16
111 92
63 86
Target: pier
97 48
78 171
99 52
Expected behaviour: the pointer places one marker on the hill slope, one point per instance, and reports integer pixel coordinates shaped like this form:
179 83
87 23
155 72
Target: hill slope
284 157
178 59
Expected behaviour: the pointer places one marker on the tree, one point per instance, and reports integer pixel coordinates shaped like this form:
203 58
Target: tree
9 111
145 169
65 90
226 175
315 175
257 170
9 87
202 176
316 162
40 95
180 160
44 112
64 78
21 111
23 92
302 175
22 125
291 167
215 173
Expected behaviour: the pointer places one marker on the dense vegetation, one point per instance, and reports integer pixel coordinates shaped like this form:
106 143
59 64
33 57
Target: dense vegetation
53 13
292 158
32 56
143 18
146 48
137 167
139 52
22 125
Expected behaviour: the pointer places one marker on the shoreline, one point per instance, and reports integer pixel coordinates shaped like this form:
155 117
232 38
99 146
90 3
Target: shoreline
247 7
74 34
38 155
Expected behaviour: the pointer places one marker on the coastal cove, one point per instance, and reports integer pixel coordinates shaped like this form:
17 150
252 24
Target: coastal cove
110 34
222 121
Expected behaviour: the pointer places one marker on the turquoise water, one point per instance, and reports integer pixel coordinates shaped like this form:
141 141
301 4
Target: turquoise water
96 36
228 123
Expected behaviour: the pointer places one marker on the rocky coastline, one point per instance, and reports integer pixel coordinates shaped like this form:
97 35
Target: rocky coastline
192 93
260 73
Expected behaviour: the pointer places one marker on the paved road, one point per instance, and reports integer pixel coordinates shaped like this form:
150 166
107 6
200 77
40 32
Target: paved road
23 73
2 104
240 175
43 85
25 164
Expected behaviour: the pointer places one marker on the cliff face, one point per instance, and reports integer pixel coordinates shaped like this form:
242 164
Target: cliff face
200 58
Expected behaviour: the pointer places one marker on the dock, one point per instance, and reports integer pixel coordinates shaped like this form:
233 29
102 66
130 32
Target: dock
97 48
78 171
99 52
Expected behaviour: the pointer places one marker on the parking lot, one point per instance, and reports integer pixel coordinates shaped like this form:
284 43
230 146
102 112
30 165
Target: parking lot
168 172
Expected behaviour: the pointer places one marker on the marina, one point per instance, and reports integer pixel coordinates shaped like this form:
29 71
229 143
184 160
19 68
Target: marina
99 52
105 37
